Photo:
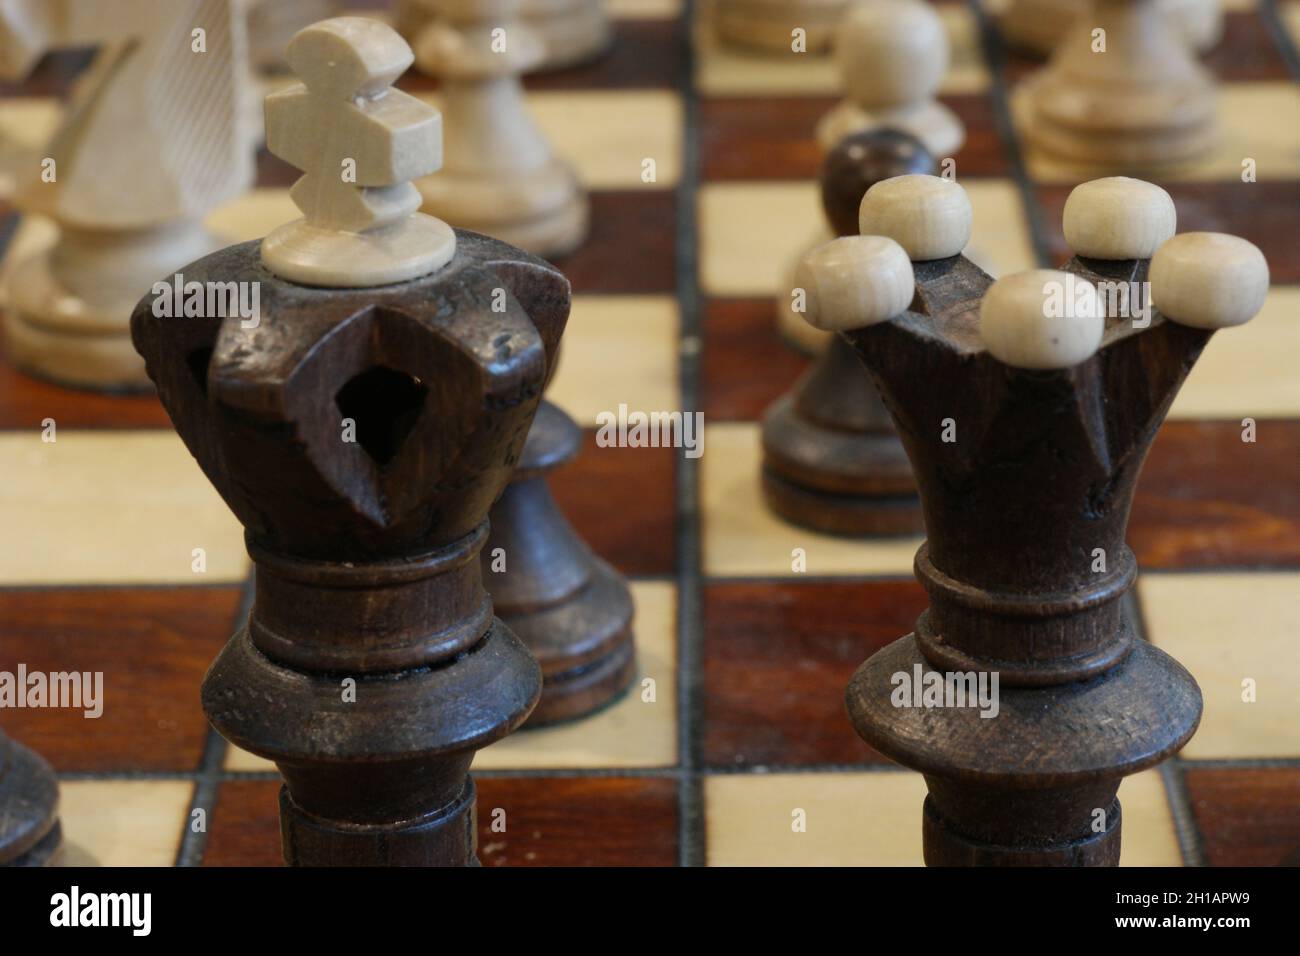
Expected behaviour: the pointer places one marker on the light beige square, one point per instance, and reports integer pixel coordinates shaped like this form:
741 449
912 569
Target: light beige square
633 732
850 819
608 134
874 819
1257 120
742 538
105 507
752 233
618 349
1251 370
1227 629
722 71
123 822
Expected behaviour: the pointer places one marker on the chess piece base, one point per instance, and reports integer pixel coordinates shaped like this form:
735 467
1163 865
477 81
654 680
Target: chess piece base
1180 127
582 675
992 802
30 834
413 808
573 31
545 212
405 250
571 609
837 481
69 306
765 26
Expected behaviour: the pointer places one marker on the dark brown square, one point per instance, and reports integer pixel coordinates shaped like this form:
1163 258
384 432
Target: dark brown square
777 658
153 646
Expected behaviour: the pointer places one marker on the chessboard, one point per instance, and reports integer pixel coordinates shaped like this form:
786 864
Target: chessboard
735 728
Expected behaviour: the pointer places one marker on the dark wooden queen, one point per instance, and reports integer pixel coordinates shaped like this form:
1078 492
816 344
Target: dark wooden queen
1026 506
371 667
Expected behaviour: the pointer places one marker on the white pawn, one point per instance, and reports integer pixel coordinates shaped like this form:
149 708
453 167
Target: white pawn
359 144
500 176
892 56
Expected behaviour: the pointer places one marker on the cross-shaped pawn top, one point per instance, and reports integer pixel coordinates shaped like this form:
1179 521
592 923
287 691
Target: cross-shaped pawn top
359 143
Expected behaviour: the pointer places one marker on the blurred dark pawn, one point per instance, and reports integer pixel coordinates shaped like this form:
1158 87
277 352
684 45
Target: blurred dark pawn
858 162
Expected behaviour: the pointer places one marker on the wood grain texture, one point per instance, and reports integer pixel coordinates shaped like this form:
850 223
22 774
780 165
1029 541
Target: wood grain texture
763 137
747 365
621 502
630 248
1247 816
776 658
1197 505
562 821
152 646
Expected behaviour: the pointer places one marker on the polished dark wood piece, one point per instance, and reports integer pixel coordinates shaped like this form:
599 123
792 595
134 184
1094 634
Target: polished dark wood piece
1040 477
571 609
831 459
371 667
29 806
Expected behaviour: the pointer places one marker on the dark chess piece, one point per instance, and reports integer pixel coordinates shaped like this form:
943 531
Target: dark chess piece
29 804
831 458
1026 458
571 609
360 427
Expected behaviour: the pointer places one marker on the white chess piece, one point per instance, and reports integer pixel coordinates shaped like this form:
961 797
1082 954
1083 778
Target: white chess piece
1144 104
359 144
500 176
572 31
892 56
153 139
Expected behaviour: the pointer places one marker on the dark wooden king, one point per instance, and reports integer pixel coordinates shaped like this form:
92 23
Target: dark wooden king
361 428
371 668
1026 566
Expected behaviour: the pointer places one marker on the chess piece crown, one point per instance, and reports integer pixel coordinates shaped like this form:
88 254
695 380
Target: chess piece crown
360 143
1026 430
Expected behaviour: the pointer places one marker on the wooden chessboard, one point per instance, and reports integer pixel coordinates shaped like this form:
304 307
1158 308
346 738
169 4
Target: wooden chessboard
749 660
